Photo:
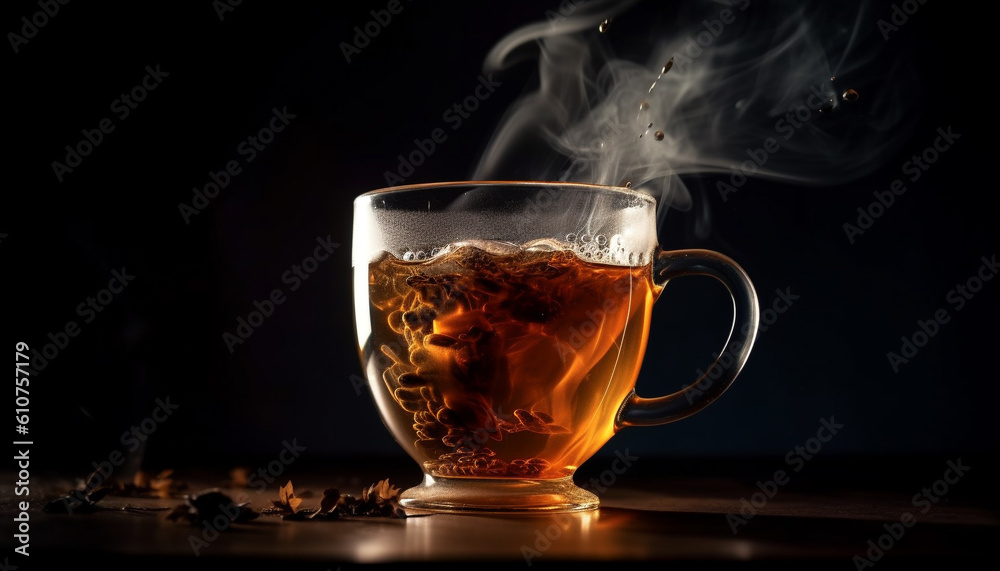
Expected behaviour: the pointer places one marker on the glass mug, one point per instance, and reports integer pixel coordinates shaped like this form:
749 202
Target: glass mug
501 327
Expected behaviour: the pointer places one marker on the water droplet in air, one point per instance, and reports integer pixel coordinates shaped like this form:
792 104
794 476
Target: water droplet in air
648 126
658 135
627 184
604 25
850 95
644 105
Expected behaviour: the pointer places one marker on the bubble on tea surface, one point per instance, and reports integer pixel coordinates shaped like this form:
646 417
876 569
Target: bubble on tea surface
617 241
408 256
571 237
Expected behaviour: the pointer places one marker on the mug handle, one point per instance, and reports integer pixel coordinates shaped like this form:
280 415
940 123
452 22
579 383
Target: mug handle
639 411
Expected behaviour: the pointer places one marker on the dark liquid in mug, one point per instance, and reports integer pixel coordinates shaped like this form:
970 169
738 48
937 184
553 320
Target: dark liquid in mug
504 362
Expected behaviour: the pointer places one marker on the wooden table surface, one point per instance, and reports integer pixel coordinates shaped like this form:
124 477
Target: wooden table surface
681 512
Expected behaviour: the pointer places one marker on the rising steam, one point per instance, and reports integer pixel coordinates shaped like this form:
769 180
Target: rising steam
753 89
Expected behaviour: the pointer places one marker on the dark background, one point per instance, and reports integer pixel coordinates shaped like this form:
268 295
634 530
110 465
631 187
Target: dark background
291 379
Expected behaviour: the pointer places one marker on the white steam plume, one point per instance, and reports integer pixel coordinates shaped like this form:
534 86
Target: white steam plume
750 80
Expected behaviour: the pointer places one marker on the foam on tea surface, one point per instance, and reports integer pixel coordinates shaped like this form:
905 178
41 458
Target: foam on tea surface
503 360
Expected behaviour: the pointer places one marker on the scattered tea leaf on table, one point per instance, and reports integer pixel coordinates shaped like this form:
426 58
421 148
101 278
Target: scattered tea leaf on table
287 502
208 505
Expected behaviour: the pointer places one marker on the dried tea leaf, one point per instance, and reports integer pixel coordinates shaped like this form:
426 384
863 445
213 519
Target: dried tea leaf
379 499
239 477
144 484
164 486
211 503
208 505
329 505
384 491
140 480
286 498
79 501
331 497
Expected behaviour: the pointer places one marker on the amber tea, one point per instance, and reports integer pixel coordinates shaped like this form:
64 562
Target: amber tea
506 362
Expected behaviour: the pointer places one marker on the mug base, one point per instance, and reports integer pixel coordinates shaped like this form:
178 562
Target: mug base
497 495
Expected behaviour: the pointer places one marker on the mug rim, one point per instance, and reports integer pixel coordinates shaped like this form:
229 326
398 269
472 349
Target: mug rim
503 183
